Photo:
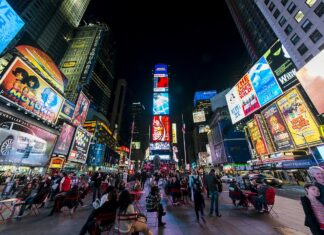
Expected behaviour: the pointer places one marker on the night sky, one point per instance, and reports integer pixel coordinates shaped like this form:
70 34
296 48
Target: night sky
198 40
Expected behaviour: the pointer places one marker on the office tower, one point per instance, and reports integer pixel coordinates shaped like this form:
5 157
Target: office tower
118 105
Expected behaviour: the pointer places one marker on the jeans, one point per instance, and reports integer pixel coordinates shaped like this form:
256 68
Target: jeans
95 190
213 202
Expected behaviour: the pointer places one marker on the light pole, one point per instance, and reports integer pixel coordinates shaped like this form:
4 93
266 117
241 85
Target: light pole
309 148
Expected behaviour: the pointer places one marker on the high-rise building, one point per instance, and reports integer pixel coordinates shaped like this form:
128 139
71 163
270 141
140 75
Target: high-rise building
49 24
118 105
254 29
298 25
88 65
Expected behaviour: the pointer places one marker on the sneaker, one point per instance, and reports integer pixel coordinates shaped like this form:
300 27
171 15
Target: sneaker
218 215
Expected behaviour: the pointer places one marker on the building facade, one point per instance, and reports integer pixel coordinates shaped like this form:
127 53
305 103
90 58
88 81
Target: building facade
118 105
254 29
298 25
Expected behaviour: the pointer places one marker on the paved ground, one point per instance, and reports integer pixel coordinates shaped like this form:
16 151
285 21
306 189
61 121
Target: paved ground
180 221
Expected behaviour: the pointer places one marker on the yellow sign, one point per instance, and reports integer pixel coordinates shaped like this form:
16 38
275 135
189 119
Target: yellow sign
56 162
256 137
322 130
300 122
69 64
174 133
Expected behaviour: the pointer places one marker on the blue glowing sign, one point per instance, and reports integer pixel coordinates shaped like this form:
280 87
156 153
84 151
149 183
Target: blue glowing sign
264 82
204 95
10 24
160 69
160 103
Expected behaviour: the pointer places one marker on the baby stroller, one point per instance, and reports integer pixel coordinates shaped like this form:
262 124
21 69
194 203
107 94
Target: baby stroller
236 194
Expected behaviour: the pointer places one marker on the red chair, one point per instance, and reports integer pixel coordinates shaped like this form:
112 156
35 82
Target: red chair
104 228
124 217
270 198
37 204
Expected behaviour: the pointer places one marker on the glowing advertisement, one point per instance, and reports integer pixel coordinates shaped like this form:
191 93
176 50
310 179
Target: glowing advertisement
311 76
161 84
281 65
136 145
234 105
64 141
256 138
264 133
80 146
263 82
160 146
11 24
160 103
23 143
81 110
21 85
160 69
161 129
45 65
67 110
174 133
199 116
277 128
203 95
299 120
249 100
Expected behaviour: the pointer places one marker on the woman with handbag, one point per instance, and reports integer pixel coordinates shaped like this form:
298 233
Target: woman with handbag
127 220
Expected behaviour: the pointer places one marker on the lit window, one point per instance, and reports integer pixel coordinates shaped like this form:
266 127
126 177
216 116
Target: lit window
299 16
288 29
306 25
315 36
302 49
295 39
291 8
282 21
310 3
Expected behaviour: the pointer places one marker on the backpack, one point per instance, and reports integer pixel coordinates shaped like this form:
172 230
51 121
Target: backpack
196 184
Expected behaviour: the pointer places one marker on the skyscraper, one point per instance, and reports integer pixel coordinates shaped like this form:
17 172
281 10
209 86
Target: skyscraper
254 29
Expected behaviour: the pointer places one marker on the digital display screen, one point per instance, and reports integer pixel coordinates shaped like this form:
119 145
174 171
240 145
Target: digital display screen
161 129
161 84
64 141
81 110
80 146
161 103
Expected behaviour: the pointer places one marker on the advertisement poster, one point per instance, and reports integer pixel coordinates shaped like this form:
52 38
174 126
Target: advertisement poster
234 105
96 154
256 138
45 65
63 143
81 110
136 145
247 95
199 116
281 65
277 128
264 133
11 24
160 103
160 146
67 110
263 82
161 129
161 84
80 146
21 85
56 162
160 69
311 76
174 133
299 120
22 142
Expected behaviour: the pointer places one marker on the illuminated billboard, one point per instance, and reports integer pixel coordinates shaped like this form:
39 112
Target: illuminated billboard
81 110
161 84
63 143
80 146
264 83
160 69
161 129
311 76
174 133
45 65
203 95
160 146
250 102
67 110
160 103
21 85
199 116
11 24
23 143
256 137
300 122
234 105
281 65
136 145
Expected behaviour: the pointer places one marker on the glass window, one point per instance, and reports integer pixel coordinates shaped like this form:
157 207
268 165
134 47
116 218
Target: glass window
319 10
310 3
276 13
266 2
306 25
295 39
315 36
284 2
5 125
291 8
299 16
18 127
282 21
271 6
288 29
302 49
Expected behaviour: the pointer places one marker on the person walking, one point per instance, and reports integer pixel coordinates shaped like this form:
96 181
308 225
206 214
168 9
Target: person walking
97 178
197 187
213 186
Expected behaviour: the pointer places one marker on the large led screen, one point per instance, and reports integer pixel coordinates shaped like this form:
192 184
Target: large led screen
160 69
160 103
67 110
199 116
23 143
263 82
160 146
282 65
256 137
21 85
161 84
277 128
80 146
311 76
11 24
234 105
250 102
161 129
299 120
63 143
81 110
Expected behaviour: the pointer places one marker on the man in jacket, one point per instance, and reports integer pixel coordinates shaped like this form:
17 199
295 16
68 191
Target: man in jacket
213 186
97 179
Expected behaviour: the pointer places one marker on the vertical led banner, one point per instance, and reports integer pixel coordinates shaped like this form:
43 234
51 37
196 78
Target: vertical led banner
256 137
161 129
264 133
174 133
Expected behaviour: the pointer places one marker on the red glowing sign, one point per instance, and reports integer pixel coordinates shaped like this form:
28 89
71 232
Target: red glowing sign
161 129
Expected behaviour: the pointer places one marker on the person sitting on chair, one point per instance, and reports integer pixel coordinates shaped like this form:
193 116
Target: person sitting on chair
153 204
